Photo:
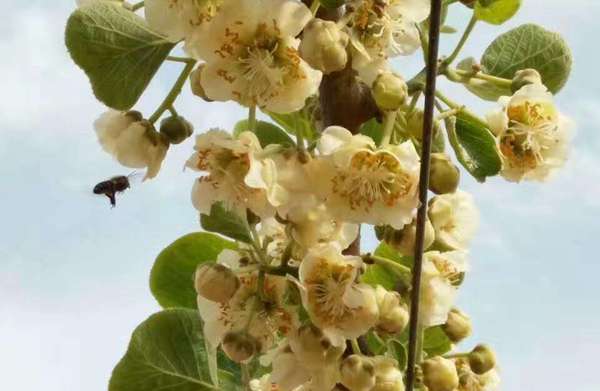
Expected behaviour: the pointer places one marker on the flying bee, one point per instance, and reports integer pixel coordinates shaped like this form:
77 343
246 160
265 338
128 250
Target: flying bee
114 185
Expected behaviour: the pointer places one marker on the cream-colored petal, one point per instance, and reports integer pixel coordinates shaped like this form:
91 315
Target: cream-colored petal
163 16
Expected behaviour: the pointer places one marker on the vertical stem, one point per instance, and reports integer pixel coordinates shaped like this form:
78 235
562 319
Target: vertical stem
245 376
416 329
252 118
389 120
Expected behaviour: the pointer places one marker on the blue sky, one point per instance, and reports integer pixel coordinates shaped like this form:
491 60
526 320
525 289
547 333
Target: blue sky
73 273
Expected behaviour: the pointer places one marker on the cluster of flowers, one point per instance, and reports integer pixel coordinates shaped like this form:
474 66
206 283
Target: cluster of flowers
294 296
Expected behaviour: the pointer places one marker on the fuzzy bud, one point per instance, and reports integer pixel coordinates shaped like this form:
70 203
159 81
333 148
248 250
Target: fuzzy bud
216 282
393 313
387 375
389 91
176 129
403 240
414 126
458 325
482 359
525 77
357 373
240 346
196 85
443 174
439 374
323 46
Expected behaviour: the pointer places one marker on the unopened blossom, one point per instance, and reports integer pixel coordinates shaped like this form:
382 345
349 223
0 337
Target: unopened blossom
181 19
470 381
361 183
440 374
455 219
336 303
387 375
393 312
383 29
323 46
132 140
441 273
251 55
236 176
262 317
533 136
357 373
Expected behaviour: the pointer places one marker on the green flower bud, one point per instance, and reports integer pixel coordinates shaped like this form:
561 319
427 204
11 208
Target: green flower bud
482 359
458 325
240 346
525 77
216 282
403 240
389 91
443 174
196 85
414 126
176 129
323 46
357 373
439 374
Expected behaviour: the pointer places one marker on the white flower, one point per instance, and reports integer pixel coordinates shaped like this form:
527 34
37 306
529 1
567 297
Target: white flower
236 176
441 272
532 134
131 140
263 318
323 46
338 305
382 29
455 219
363 184
179 19
251 55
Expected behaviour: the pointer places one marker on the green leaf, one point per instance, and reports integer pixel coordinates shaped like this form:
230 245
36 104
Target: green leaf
482 88
117 50
171 278
375 343
474 145
398 351
373 129
167 352
530 46
381 275
436 342
226 222
301 122
496 11
266 132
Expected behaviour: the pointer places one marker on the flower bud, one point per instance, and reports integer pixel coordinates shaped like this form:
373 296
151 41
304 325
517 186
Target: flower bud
403 240
414 126
387 375
176 129
216 282
323 46
482 359
389 91
443 174
357 373
196 85
458 325
240 346
439 374
393 313
313 348
525 77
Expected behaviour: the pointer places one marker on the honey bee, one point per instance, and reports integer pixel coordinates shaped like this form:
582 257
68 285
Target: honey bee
114 185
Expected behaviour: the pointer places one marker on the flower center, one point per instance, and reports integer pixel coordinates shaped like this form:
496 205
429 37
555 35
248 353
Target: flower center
373 178
261 72
326 290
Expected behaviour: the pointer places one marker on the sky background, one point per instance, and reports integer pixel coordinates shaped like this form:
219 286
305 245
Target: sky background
74 273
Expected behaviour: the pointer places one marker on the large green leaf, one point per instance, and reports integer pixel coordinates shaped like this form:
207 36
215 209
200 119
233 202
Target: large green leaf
530 46
496 11
266 132
167 352
171 279
226 222
117 50
436 342
474 145
373 129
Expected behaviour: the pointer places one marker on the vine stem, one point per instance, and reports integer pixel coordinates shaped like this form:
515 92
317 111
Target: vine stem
388 127
137 6
174 93
252 118
461 43
415 328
